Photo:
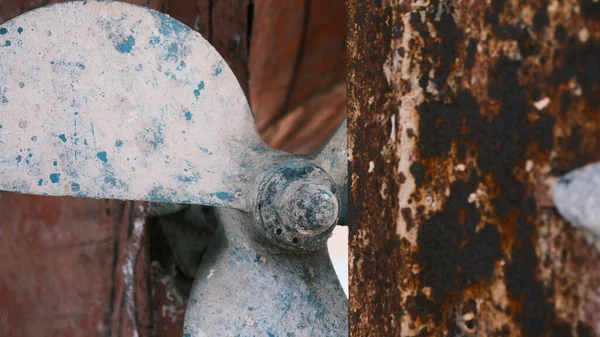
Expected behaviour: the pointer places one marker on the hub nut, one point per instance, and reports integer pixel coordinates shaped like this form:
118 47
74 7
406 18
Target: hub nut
297 206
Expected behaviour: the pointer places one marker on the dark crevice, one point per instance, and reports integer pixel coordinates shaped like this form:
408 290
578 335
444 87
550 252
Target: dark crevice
111 303
249 25
130 222
210 21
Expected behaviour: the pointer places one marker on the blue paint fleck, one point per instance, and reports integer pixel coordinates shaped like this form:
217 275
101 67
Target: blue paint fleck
218 71
63 138
127 45
200 88
19 158
155 137
75 187
21 85
3 98
224 196
181 65
30 155
187 179
188 116
154 40
3 31
139 67
7 43
111 180
172 52
119 143
40 182
34 138
55 163
20 30
169 25
102 156
205 150
80 65
55 178
157 194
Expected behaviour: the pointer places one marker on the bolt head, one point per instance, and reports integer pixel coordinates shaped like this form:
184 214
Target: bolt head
309 207
297 206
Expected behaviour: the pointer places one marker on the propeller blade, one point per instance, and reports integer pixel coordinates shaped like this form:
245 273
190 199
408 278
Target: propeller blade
245 288
112 100
576 196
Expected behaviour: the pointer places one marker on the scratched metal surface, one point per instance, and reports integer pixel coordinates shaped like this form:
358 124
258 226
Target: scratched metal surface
246 288
460 113
135 105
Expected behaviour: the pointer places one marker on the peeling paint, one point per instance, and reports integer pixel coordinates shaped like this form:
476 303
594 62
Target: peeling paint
491 102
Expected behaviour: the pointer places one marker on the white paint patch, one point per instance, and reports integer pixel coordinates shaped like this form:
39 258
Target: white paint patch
210 274
584 34
393 132
541 104
371 166
528 165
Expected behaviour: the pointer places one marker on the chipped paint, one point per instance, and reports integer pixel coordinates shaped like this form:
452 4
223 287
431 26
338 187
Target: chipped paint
163 119
131 48
491 100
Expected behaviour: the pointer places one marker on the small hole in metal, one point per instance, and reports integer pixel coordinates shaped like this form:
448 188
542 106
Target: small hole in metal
278 231
470 324
295 240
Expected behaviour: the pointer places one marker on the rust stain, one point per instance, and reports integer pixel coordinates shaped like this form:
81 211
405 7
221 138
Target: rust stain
461 112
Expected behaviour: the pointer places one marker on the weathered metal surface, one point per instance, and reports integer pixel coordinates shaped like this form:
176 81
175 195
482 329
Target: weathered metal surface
241 173
136 106
246 288
577 197
459 114
269 272
168 286
297 206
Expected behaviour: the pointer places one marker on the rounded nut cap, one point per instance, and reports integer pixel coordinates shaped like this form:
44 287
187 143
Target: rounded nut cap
310 208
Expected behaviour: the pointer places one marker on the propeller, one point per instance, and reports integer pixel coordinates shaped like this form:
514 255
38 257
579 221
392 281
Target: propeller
112 100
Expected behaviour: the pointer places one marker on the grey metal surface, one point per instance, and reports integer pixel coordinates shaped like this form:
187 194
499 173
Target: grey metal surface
577 197
245 288
111 100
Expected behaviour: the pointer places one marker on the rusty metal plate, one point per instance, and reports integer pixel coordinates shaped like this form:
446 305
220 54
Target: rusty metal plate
460 114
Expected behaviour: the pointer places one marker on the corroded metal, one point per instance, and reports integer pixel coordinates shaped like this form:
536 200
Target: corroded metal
139 106
247 288
461 113
296 206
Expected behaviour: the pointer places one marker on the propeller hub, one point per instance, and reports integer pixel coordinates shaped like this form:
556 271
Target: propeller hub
297 206
308 207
